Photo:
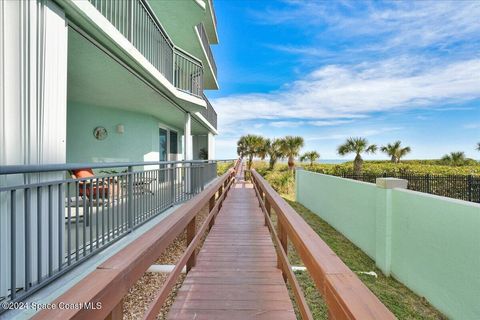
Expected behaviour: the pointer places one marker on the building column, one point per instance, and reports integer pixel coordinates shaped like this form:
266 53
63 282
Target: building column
211 146
383 221
188 150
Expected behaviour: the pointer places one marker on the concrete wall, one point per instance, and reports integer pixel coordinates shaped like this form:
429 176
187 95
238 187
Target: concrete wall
349 211
436 250
139 142
429 243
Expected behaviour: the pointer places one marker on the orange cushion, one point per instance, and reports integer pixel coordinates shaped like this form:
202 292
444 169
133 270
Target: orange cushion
83 173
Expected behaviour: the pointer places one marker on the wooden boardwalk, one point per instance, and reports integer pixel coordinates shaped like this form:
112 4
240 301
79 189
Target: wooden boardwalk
236 275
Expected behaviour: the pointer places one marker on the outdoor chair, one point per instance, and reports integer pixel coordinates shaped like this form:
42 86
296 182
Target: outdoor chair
89 189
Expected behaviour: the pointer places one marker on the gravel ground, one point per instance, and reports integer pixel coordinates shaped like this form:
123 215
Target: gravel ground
142 293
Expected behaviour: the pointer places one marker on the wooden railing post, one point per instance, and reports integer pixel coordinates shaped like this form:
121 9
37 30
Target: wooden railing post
191 231
282 236
225 184
268 208
220 192
211 204
117 312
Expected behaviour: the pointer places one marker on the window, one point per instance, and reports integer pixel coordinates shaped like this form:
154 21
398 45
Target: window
173 142
163 145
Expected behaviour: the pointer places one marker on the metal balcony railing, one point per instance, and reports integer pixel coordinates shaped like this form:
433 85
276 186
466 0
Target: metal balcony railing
52 222
206 45
210 114
188 75
139 24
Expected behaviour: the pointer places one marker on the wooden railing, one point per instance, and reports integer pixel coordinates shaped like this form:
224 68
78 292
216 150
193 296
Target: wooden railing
345 295
107 285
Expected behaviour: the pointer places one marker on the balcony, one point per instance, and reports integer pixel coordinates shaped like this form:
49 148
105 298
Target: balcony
210 114
136 21
206 46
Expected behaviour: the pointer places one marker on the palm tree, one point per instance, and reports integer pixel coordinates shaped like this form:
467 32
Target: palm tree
274 151
262 150
357 146
312 156
241 147
455 158
250 146
290 147
395 151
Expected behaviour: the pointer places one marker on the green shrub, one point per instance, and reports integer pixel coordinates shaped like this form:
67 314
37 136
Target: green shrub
406 167
222 167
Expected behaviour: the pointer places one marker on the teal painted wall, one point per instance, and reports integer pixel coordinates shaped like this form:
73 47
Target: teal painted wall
348 207
436 250
429 243
139 142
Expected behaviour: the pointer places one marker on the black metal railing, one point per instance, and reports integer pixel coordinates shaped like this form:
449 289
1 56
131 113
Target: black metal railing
210 114
463 187
52 219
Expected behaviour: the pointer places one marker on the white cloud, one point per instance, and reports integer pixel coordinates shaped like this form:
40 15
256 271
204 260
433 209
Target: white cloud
317 123
342 93
472 126
287 124
358 132
328 123
399 24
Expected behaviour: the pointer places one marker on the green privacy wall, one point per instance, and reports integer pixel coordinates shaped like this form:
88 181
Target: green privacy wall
139 142
348 207
436 250
429 243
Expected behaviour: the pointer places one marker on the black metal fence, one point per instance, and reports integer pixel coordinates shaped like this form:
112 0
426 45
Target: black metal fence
463 187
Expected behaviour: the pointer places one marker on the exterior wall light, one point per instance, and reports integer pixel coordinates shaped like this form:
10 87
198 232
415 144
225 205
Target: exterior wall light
120 128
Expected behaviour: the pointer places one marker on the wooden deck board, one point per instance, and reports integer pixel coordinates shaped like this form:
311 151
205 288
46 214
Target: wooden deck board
236 275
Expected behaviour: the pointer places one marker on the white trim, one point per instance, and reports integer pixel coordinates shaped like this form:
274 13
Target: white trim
200 117
206 57
212 14
201 3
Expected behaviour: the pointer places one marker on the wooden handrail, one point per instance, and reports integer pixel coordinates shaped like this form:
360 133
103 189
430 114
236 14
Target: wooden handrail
345 295
109 282
283 263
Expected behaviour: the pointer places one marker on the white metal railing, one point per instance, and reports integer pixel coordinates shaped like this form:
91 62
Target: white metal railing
139 24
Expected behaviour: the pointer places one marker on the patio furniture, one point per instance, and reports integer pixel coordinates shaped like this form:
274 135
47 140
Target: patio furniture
141 185
89 189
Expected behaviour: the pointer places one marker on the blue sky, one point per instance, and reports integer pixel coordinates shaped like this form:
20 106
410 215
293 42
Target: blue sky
328 70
